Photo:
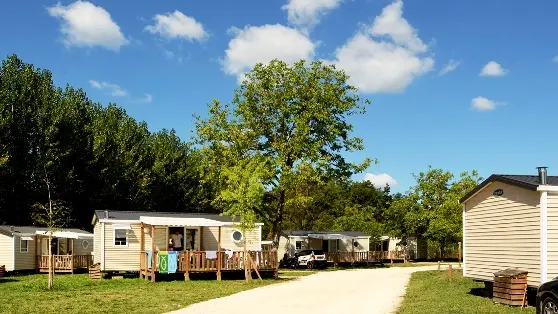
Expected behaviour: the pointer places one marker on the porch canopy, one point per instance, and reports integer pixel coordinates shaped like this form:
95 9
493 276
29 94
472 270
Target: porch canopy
67 234
330 236
180 221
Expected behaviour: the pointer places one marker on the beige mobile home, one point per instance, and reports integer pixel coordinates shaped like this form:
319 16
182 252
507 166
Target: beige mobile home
26 249
292 241
124 239
512 221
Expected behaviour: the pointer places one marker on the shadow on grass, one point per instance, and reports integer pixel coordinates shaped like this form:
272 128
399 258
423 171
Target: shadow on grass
486 292
5 280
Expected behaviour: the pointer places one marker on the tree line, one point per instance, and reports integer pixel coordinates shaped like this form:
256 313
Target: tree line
274 154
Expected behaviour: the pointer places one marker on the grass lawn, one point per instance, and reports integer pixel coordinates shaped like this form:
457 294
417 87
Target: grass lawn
78 294
431 292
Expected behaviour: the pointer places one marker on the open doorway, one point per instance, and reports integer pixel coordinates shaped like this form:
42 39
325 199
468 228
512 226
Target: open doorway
176 238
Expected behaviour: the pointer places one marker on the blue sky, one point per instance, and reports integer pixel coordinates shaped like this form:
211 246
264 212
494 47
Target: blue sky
458 85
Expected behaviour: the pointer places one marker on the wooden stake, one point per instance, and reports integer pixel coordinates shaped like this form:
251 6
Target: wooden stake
219 257
450 270
255 267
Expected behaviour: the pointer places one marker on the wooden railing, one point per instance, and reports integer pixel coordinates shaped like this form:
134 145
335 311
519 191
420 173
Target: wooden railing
64 262
197 261
363 257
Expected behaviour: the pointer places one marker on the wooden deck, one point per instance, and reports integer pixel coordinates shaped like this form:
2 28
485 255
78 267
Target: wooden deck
64 263
364 257
197 262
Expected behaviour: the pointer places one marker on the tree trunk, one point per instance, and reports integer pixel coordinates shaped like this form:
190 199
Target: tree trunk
247 273
442 248
50 284
277 223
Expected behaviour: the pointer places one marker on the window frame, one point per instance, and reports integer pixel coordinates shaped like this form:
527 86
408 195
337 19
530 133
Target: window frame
26 246
114 238
296 244
241 236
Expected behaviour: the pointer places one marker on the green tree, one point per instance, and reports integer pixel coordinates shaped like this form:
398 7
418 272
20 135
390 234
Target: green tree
431 209
295 117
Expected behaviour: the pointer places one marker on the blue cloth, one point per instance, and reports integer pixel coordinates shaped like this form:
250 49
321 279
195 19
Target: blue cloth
149 258
172 262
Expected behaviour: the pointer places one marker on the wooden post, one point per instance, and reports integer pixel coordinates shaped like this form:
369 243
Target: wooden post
459 255
71 255
450 270
219 257
186 265
153 254
438 265
37 252
201 239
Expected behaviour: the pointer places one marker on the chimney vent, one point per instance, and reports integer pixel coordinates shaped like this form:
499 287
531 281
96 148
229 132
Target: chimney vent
106 214
542 175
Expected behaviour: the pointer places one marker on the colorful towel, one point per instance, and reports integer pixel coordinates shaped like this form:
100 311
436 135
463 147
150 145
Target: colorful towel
149 259
163 258
172 262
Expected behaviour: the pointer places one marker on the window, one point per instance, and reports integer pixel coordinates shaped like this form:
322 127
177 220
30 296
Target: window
298 245
23 246
237 236
85 244
120 237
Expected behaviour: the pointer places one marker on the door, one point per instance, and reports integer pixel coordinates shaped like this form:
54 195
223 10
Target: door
332 245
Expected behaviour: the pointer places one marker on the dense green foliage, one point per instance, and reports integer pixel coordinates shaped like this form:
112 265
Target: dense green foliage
94 157
274 155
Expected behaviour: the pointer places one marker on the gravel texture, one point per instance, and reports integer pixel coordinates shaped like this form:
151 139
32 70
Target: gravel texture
350 291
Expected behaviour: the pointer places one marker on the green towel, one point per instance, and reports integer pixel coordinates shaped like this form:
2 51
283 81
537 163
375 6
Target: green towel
163 258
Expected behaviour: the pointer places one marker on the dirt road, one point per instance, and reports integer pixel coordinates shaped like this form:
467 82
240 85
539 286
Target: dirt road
351 291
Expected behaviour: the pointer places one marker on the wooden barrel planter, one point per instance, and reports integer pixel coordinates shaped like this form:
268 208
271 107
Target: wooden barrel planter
95 271
510 287
2 271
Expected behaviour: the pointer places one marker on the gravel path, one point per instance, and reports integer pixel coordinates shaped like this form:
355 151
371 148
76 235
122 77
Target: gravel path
359 291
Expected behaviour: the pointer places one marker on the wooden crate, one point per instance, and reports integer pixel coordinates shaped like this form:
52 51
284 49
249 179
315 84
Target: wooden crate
510 287
2 271
95 271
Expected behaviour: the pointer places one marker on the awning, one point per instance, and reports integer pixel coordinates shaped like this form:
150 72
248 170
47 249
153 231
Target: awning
67 234
27 238
330 236
181 222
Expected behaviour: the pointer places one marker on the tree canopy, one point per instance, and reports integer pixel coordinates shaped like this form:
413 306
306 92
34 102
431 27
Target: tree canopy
294 120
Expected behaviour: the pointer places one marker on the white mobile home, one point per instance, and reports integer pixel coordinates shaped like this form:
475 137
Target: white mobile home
512 221
26 249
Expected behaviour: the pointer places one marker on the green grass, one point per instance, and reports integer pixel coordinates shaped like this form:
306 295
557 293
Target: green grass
431 292
296 273
78 294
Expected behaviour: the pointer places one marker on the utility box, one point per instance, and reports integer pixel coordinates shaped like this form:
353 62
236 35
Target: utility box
510 287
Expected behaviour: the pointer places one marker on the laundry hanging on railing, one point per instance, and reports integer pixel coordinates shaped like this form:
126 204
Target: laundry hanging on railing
163 261
149 258
172 262
211 254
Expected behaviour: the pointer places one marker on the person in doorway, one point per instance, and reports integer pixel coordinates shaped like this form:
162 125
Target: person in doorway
177 241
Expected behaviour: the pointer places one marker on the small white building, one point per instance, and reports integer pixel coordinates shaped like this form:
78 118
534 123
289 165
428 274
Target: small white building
511 221
292 241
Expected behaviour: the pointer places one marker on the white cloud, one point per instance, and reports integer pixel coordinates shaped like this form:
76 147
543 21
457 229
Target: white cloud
147 98
113 89
450 66
308 12
255 44
380 180
176 25
85 25
386 56
483 104
493 69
